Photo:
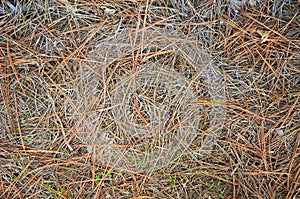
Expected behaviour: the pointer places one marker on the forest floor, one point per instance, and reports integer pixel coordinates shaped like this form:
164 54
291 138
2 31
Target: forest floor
149 99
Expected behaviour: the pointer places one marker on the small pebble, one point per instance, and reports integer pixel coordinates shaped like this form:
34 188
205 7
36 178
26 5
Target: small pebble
108 10
89 148
280 132
205 196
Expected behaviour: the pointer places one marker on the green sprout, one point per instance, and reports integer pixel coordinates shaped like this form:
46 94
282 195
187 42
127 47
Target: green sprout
61 190
172 178
187 167
49 187
212 184
221 194
143 164
102 173
185 178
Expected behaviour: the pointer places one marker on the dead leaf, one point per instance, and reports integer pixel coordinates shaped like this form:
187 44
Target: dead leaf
253 30
264 35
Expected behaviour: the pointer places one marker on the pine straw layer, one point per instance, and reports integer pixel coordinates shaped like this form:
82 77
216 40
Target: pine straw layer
42 43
